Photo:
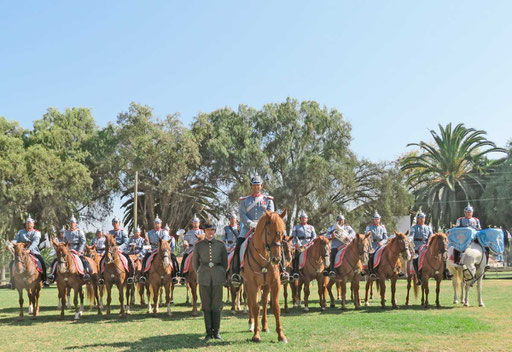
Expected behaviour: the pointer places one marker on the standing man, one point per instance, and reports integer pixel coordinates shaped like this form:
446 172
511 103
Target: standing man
419 233
31 236
302 235
99 241
379 236
211 262
189 239
340 235
231 232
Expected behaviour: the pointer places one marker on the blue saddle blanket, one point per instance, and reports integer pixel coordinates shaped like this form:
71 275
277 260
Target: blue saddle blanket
461 238
494 239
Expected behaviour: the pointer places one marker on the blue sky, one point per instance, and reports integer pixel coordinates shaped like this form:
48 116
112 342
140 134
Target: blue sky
393 68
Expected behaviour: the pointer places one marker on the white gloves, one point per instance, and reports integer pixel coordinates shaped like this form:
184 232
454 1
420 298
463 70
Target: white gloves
252 224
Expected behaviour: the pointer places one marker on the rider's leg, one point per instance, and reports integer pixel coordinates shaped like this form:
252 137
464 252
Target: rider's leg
87 268
43 267
131 271
235 262
101 281
295 263
142 278
282 268
175 268
331 266
53 271
415 263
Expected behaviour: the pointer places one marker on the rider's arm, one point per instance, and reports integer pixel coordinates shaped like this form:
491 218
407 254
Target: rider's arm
270 205
17 237
313 233
243 214
295 240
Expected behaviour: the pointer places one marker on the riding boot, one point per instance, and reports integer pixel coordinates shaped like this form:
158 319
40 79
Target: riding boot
456 257
296 267
208 325
129 279
87 269
447 274
142 277
332 273
216 325
282 268
487 266
175 267
371 269
418 274
182 269
43 268
236 279
53 272
101 281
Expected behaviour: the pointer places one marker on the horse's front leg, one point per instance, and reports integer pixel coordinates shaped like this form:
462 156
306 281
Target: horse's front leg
168 298
264 305
355 289
382 284
193 291
438 289
306 296
343 285
368 284
109 297
156 289
329 290
479 290
20 301
254 312
62 297
276 309
393 291
285 294
75 302
426 290
466 294
122 312
130 297
409 277
322 292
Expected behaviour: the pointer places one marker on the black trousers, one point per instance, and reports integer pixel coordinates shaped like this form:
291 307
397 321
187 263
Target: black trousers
333 257
235 262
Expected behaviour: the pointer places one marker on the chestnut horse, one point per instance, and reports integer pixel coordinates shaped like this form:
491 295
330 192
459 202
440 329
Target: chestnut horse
389 267
432 266
317 259
26 277
114 273
160 276
261 272
69 278
191 281
289 252
91 252
356 254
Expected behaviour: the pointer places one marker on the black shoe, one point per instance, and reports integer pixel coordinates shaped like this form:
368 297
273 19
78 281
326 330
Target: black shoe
101 282
325 273
419 282
363 272
46 284
182 281
174 280
401 274
216 325
208 337
216 335
142 280
332 274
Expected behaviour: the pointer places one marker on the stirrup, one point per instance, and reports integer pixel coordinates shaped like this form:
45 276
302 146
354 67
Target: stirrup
87 277
284 277
373 276
401 274
50 279
174 280
182 280
296 276
325 273
101 281
332 274
142 279
129 280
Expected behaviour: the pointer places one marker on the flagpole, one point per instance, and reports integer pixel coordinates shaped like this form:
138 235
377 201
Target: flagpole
135 200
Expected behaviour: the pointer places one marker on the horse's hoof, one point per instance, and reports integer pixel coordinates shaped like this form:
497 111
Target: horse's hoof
332 305
155 315
481 304
256 339
455 302
306 309
367 304
283 340
33 317
195 314
323 309
233 311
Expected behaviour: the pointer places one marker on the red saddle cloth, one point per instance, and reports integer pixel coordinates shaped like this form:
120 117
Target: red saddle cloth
339 256
149 262
378 256
231 254
75 258
303 256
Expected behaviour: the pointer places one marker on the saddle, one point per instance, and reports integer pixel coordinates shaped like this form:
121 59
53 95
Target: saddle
231 254
338 259
492 238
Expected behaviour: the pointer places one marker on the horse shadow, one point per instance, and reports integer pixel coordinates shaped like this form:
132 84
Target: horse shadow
154 343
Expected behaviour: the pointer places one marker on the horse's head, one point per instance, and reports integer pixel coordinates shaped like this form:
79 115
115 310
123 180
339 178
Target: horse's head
363 246
324 248
62 252
164 251
21 254
288 248
110 248
90 251
439 243
402 245
272 227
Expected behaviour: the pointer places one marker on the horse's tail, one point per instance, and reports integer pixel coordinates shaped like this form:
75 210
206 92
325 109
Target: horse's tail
377 285
91 296
415 287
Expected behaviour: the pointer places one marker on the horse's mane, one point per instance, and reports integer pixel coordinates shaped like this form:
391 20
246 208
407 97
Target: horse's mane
397 235
436 235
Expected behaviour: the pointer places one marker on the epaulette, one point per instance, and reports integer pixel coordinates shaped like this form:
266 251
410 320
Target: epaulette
460 218
242 198
474 217
269 197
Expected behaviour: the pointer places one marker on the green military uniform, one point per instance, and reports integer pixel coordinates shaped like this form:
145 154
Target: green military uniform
211 262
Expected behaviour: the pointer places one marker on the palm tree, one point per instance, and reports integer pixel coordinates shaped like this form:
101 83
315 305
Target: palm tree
448 173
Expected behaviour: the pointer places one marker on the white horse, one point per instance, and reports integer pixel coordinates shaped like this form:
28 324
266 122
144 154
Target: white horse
471 270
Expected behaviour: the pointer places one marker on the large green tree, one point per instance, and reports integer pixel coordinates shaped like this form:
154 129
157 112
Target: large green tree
449 172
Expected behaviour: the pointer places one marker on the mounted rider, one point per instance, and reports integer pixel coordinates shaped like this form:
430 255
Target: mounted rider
251 209
189 239
136 244
31 237
75 238
154 236
302 235
340 235
419 234
379 237
99 241
121 238
231 232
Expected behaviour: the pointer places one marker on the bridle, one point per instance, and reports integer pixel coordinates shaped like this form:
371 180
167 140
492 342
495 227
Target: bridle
444 249
267 257
21 259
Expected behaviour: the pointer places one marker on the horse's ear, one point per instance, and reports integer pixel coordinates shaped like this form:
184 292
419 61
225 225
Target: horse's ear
283 214
94 247
367 235
26 244
396 233
159 241
407 233
66 243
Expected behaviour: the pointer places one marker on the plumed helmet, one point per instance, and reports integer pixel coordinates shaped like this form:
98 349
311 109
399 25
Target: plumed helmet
303 214
256 180
376 215
72 219
29 219
421 215
468 208
63 229
137 230
340 217
115 220
157 220
232 215
195 219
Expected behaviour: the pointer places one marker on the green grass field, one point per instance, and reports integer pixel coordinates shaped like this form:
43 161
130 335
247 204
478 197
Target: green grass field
452 327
